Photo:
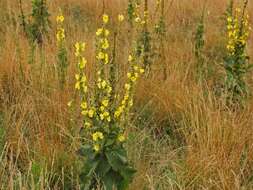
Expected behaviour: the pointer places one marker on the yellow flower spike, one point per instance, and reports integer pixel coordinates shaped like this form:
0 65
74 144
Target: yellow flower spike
121 18
121 138
129 75
105 18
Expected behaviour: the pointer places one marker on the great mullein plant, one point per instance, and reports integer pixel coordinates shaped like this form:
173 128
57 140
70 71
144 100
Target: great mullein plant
236 62
36 25
139 21
62 59
105 116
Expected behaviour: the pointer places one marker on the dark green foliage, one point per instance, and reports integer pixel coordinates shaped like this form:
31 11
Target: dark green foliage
109 168
38 25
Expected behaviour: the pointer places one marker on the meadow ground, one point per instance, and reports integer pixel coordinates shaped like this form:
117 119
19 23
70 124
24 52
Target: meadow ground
181 135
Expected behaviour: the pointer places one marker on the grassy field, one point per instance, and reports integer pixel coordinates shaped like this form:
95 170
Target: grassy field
181 133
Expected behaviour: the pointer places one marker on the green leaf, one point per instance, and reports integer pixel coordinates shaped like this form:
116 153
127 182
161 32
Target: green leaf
127 173
114 160
103 167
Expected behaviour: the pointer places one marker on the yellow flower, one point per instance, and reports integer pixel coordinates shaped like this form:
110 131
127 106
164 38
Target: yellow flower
91 113
103 84
105 102
121 18
77 85
106 59
84 105
100 55
108 118
104 44
130 58
107 32
99 31
87 124
60 19
97 135
77 76
127 86
142 71
137 19
82 63
105 18
117 114
121 138
96 147
70 103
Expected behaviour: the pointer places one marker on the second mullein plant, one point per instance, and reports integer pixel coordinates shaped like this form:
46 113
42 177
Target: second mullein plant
62 58
236 62
104 117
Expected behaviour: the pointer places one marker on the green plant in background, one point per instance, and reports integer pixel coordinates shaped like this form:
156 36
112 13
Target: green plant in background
199 40
36 26
105 117
140 25
62 62
236 62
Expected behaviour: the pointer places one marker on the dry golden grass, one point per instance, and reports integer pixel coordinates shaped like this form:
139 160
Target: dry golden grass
210 146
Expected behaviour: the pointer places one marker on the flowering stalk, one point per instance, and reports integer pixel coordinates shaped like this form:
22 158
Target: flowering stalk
62 62
104 117
236 62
